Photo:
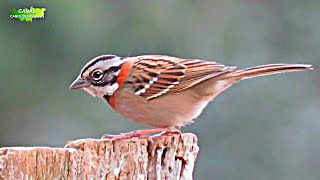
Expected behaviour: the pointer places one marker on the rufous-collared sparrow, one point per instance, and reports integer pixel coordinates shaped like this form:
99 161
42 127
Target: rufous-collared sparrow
163 91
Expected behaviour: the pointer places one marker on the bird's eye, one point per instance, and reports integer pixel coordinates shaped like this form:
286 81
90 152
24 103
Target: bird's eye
97 75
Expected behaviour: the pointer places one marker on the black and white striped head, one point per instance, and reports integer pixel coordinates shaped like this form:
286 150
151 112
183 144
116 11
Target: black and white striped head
99 76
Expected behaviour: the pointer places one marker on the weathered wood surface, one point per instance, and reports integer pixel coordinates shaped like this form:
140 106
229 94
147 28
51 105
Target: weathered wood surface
170 157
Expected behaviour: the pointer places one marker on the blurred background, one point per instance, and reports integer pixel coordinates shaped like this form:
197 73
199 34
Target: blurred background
263 128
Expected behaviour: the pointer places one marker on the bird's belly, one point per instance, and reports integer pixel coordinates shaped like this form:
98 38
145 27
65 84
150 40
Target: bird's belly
171 110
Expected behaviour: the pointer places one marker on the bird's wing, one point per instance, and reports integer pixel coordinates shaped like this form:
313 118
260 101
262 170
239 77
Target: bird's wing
155 75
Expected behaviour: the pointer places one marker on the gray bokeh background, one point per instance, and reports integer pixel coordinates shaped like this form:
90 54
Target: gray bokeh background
263 128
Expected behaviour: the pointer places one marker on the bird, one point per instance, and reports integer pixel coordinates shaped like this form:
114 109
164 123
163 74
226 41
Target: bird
162 91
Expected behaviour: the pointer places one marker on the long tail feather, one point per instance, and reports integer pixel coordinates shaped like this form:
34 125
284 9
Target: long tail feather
268 70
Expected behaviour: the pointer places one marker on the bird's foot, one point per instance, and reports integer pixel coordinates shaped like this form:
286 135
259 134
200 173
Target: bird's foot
168 133
137 133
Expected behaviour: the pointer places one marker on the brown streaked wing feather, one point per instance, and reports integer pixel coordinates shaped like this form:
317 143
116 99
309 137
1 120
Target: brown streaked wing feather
155 75
198 71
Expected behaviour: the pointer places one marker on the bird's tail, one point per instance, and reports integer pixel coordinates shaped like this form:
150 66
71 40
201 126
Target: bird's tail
267 70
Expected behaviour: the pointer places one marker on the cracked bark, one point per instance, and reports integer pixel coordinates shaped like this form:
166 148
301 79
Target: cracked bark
170 157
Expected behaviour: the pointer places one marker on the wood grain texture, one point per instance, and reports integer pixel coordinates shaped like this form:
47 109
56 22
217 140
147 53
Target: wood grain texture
171 157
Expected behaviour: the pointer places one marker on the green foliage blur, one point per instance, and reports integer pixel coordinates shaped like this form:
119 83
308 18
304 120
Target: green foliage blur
263 128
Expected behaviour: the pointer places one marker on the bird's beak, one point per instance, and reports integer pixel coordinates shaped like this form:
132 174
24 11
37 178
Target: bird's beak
79 83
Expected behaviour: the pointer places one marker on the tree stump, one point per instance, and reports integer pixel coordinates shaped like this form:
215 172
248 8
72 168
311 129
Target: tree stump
169 157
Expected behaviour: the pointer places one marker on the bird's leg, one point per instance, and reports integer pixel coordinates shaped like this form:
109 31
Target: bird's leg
136 133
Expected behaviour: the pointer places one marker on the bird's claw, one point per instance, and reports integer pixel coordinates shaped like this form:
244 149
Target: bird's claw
122 136
141 134
168 133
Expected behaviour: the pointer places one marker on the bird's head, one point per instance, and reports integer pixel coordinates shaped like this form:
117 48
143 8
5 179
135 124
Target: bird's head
99 76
